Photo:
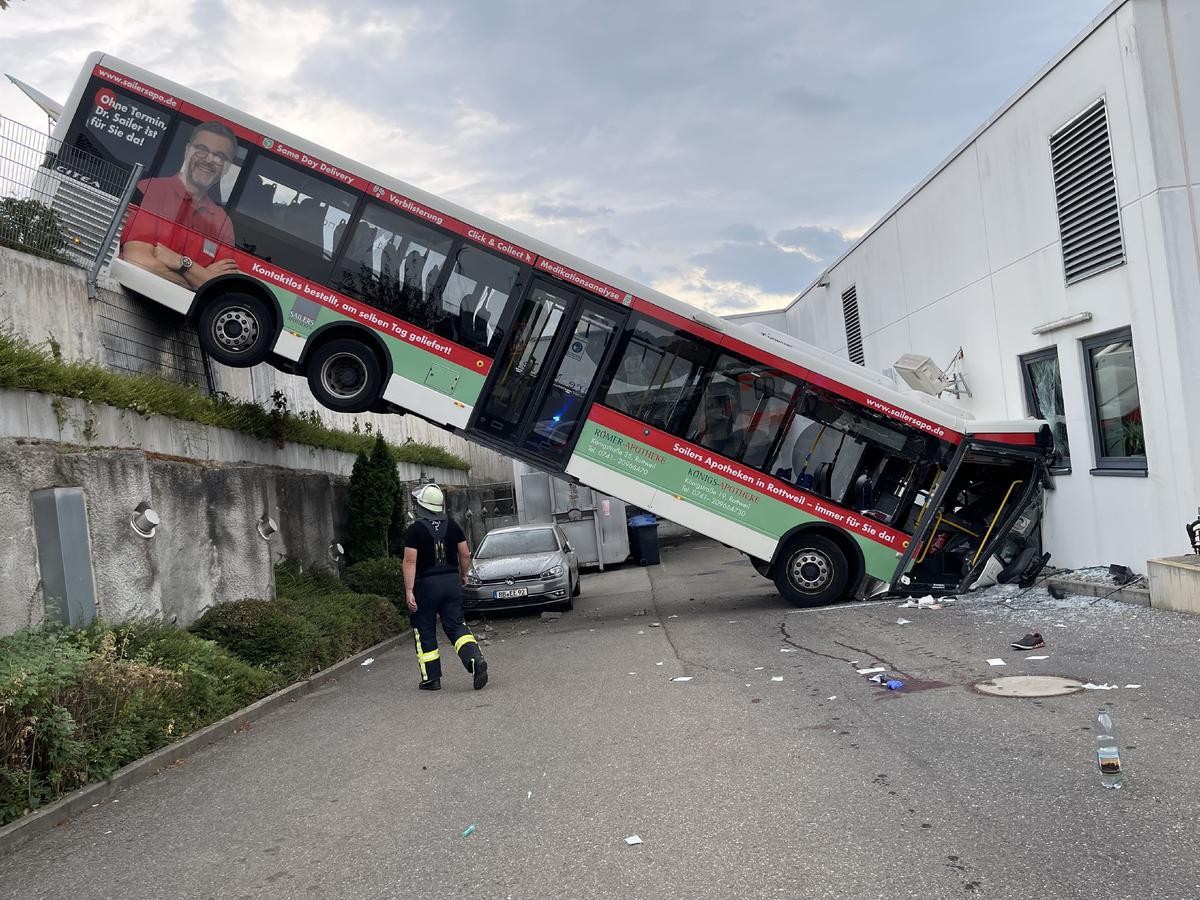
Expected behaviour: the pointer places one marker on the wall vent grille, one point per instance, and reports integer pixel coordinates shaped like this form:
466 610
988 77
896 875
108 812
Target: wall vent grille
1085 191
854 344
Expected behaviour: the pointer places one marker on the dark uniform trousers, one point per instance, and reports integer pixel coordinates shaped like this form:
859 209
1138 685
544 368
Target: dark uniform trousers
441 595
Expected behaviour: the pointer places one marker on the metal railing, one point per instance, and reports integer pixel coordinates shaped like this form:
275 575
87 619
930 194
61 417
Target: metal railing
57 202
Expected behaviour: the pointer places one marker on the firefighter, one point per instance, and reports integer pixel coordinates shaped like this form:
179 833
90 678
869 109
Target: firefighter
436 562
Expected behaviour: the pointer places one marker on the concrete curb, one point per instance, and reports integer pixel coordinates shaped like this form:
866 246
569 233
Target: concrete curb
36 823
1139 596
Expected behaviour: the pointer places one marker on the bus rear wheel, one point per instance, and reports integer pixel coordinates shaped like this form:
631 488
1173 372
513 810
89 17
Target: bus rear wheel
345 376
812 571
236 329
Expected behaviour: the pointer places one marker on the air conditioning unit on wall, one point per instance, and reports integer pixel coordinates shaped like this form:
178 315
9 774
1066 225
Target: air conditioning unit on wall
921 374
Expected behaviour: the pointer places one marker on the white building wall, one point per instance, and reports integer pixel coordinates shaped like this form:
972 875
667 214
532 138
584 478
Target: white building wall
972 259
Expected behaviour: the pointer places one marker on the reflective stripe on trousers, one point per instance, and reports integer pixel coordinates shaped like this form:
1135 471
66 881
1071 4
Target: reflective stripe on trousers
441 596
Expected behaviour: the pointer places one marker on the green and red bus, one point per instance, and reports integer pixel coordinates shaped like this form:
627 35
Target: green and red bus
833 480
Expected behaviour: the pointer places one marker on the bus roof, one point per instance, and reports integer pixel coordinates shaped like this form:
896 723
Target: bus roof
756 336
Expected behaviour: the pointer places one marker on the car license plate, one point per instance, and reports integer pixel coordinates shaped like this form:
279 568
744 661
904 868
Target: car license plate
510 593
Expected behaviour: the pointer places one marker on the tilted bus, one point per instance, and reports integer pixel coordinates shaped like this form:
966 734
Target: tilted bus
833 480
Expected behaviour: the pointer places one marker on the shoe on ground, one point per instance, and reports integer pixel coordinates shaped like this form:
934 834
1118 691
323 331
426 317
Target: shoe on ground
480 673
1029 642
434 685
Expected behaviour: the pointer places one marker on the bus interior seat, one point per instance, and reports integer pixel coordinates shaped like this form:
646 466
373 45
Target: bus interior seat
307 220
472 321
362 243
257 199
823 479
389 262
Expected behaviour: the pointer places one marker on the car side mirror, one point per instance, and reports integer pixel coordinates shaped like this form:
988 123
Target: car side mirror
568 548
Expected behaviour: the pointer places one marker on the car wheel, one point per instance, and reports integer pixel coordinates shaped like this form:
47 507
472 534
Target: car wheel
236 330
567 605
812 571
345 376
578 586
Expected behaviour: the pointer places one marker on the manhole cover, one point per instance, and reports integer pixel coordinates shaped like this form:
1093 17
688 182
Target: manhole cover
1029 686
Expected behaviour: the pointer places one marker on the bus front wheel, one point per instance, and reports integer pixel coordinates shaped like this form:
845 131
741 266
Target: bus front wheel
236 329
813 571
345 376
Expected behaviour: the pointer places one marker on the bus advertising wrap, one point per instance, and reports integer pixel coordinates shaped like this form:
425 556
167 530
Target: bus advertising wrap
732 491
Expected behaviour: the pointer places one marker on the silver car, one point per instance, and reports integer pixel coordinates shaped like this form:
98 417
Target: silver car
526 565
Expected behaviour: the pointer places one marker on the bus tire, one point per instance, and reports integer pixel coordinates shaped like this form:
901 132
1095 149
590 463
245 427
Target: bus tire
812 571
345 376
236 329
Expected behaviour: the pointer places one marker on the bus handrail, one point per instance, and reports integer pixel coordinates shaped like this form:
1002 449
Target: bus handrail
996 518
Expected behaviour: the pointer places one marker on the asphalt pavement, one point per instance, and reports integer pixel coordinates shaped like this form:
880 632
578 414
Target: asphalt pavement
739 785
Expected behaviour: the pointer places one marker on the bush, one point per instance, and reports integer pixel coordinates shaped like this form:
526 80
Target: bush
33 227
26 367
314 623
263 633
213 682
76 705
384 577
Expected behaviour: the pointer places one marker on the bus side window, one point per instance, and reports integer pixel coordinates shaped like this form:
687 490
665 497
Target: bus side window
475 297
296 229
657 376
388 260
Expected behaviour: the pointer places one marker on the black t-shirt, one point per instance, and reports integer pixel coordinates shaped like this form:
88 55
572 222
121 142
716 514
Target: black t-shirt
435 556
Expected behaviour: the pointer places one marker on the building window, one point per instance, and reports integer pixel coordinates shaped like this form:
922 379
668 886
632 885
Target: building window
1043 394
854 344
1116 407
1085 191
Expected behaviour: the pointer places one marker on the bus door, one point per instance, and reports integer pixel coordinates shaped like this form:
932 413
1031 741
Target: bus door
983 525
545 378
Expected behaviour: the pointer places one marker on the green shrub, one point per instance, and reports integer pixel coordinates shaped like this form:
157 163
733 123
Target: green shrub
263 633
33 227
314 623
26 367
213 682
384 577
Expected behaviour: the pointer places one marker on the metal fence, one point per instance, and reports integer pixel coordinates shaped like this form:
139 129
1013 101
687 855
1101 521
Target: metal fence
57 202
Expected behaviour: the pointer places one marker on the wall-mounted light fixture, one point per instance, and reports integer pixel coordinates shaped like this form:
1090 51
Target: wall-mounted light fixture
143 520
267 527
823 281
336 551
1064 322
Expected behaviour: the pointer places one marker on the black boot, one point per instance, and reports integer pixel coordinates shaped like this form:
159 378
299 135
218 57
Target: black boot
480 672
434 684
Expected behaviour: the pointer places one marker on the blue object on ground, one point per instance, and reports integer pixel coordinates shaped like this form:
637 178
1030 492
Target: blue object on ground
895 685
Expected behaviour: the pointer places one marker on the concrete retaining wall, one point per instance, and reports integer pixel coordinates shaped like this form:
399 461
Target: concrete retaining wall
47 301
206 551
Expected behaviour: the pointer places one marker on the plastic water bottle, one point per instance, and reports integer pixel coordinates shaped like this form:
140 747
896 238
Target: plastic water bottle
1108 751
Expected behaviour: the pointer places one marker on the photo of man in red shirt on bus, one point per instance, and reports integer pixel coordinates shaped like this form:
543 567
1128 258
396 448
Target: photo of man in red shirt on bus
178 231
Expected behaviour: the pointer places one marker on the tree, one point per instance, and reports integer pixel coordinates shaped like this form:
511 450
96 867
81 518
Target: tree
31 226
374 489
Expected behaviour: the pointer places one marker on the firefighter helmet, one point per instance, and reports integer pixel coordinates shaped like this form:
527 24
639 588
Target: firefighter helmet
430 497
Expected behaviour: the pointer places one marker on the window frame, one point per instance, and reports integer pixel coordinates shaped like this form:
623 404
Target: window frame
1128 466
233 210
1063 467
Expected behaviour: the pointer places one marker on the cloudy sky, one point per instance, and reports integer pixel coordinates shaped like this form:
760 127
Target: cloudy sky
723 153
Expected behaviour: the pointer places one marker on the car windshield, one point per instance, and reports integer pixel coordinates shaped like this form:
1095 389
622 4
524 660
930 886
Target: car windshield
517 543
